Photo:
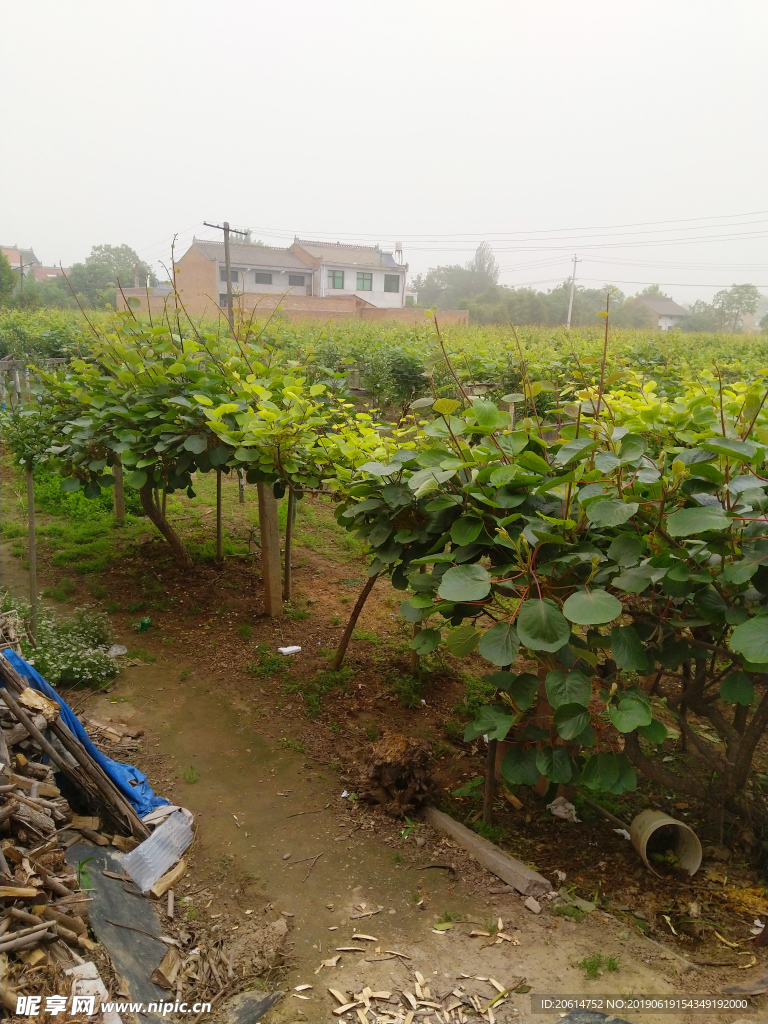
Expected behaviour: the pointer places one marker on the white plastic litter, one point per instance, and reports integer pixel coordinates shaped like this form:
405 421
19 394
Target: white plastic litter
622 832
757 927
562 808
165 811
116 650
152 858
289 650
345 794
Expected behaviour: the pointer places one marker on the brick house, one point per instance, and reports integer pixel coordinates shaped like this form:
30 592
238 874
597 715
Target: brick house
30 265
308 280
668 313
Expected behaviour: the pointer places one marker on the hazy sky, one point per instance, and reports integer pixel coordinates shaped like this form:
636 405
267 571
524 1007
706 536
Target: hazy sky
631 132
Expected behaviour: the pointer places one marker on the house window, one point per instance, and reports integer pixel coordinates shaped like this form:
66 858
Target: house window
223 301
335 278
296 279
391 282
261 277
223 274
364 282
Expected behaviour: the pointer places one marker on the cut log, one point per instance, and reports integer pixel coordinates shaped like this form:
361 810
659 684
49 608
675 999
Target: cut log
166 973
169 879
508 869
17 892
40 822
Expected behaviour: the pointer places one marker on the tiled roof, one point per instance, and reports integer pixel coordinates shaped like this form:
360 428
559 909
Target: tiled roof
348 255
251 255
663 307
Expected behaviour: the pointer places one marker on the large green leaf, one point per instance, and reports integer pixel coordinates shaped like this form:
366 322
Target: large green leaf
750 639
500 644
196 443
137 478
627 780
524 689
541 625
571 720
413 614
687 522
630 714
465 583
518 767
634 581
462 641
610 511
487 415
656 732
425 641
466 529
492 720
592 607
601 772
573 449
573 688
742 451
512 444
628 651
554 763
626 549
738 688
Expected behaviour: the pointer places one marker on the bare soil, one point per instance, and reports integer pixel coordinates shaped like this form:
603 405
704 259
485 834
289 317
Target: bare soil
228 735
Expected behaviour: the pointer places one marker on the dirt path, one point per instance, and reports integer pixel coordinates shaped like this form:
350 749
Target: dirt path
253 847
217 744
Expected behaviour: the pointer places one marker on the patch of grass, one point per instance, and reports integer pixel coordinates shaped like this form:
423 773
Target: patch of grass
136 606
205 551
398 858
318 685
288 744
476 693
191 913
113 606
97 589
295 612
493 833
335 620
441 749
334 726
195 609
141 654
454 730
450 915
190 775
245 632
372 732
593 965
185 674
407 687
366 634
63 591
10 530
17 550
573 912
266 664
491 925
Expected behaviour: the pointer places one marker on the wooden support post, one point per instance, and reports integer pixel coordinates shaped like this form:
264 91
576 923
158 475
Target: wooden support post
32 548
288 554
270 551
241 485
118 491
489 793
219 535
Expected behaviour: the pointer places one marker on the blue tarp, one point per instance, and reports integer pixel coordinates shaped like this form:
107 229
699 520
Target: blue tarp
130 781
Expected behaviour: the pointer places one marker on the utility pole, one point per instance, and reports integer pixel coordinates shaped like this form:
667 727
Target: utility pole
227 232
573 288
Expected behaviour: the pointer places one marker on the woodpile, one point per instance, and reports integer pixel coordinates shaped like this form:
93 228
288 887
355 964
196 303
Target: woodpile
45 912
398 774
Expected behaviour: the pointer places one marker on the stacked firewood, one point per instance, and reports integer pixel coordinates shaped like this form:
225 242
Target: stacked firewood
45 912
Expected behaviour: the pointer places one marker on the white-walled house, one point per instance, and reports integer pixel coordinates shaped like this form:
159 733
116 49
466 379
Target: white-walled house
363 270
668 313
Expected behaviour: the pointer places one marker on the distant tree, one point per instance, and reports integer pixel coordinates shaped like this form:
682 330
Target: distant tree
702 318
8 280
108 266
763 325
652 291
633 313
731 304
452 286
